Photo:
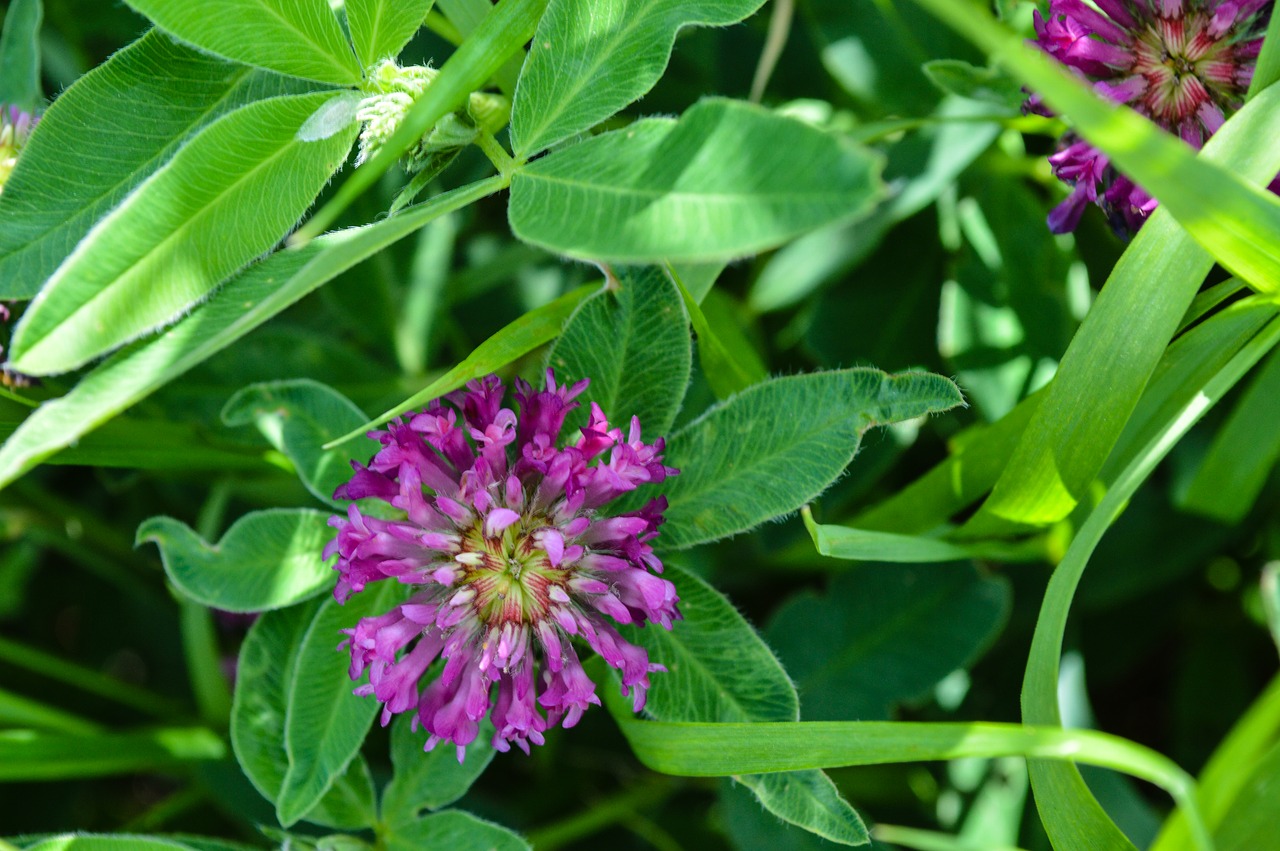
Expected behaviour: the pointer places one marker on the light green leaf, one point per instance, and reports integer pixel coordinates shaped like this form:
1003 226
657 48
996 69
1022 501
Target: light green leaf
455 830
301 38
429 780
777 445
1267 71
20 55
632 340
884 634
180 234
846 542
1233 219
719 670
1117 347
109 842
726 179
266 560
1243 452
380 28
590 58
241 306
27 755
290 675
51 200
522 336
298 416
726 374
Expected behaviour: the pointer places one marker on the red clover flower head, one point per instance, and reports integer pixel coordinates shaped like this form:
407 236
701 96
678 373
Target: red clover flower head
15 129
509 546
1185 64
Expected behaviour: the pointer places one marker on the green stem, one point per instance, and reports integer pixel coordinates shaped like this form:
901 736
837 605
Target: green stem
19 711
929 840
200 647
497 154
602 814
88 680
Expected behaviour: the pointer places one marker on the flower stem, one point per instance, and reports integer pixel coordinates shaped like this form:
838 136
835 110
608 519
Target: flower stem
613 810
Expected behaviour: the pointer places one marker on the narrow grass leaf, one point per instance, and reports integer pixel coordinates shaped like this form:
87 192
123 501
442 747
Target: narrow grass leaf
267 559
245 303
848 543
111 842
590 58
51 200
726 179
181 233
632 340
380 28
301 38
26 755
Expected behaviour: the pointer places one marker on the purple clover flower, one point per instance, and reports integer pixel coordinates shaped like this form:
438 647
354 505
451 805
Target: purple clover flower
15 128
1185 64
506 540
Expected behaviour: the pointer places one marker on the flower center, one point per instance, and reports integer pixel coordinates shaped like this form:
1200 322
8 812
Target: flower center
1185 66
510 574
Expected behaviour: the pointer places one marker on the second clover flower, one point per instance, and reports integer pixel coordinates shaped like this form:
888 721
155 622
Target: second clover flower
512 555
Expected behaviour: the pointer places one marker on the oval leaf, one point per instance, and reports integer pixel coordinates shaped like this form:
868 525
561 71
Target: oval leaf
455 830
380 28
725 180
429 780
266 560
51 200
590 59
301 38
719 670
778 444
190 225
290 676
632 340
298 417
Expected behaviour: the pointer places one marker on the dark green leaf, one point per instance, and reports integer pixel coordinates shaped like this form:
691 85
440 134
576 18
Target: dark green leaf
454 830
632 340
51 200
429 780
777 445
266 560
301 38
989 85
725 180
298 417
590 58
180 234
883 635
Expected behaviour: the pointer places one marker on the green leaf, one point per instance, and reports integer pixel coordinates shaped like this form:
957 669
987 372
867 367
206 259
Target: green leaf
502 33
531 330
429 780
725 373
726 179
27 755
380 28
846 542
301 38
290 683
883 635
180 234
266 560
719 670
777 445
1233 219
110 842
590 58
20 55
52 200
319 698
1271 600
455 830
298 416
241 306
1117 347
989 85
632 340
1267 71
1243 452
